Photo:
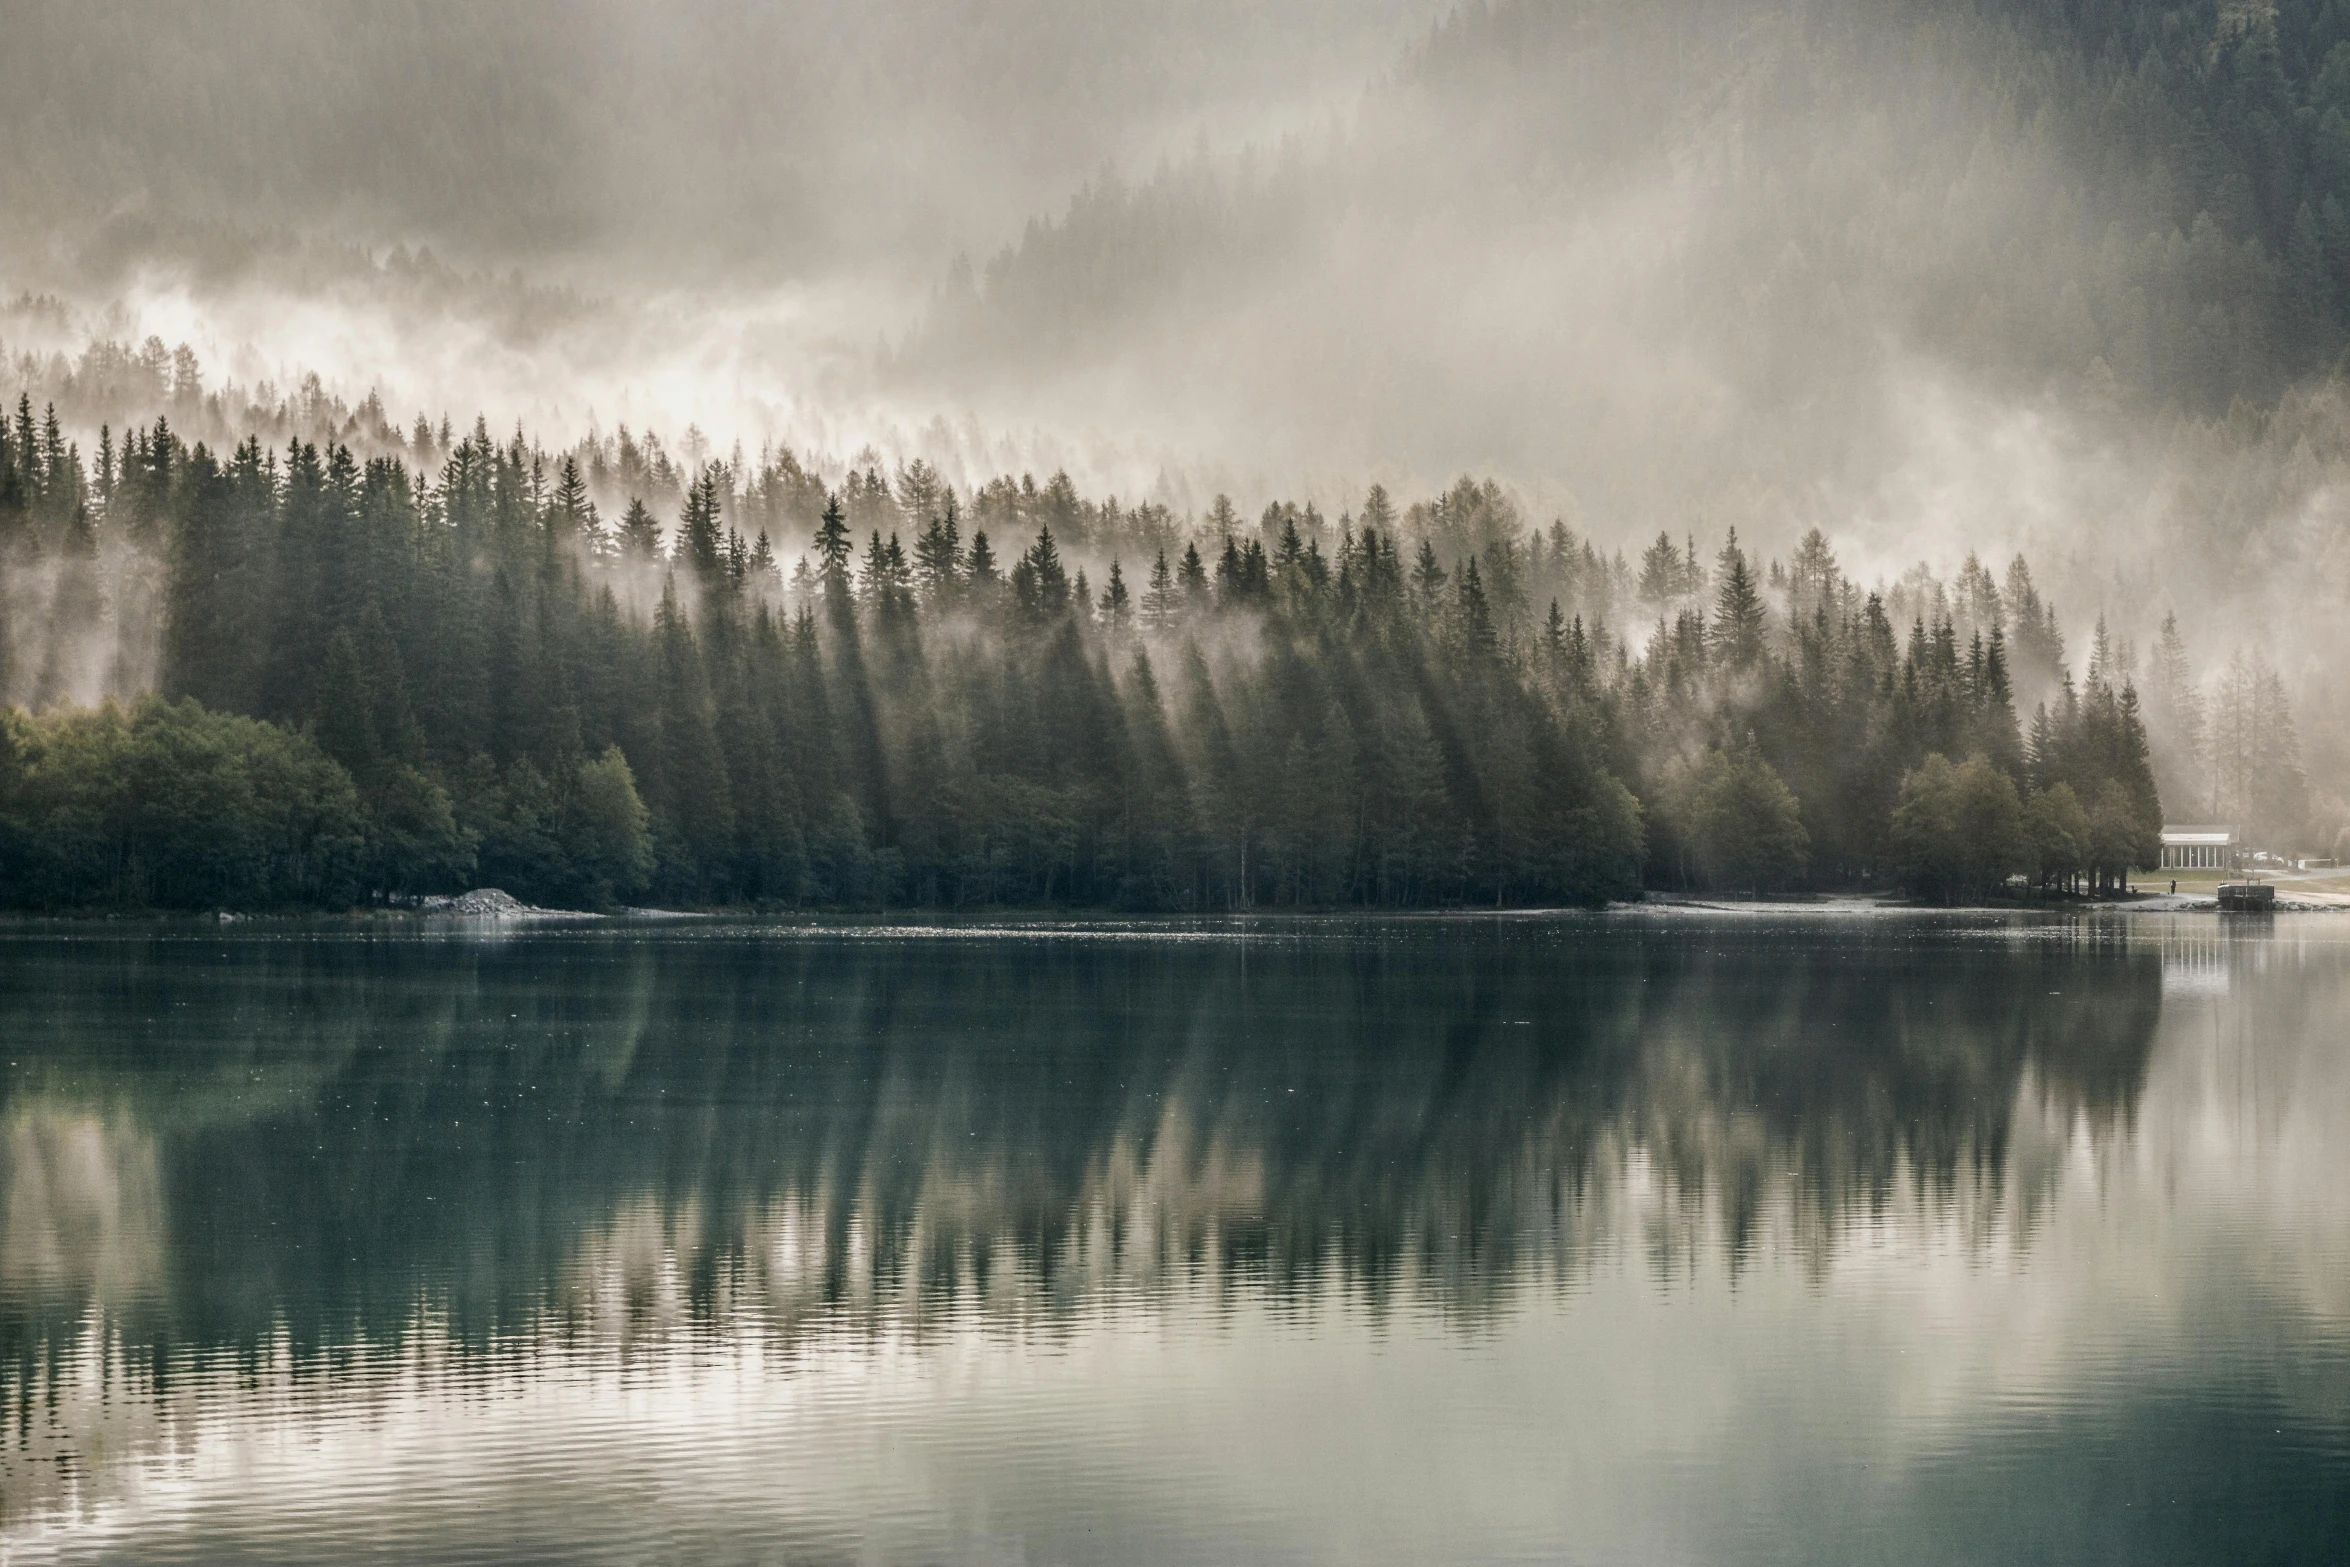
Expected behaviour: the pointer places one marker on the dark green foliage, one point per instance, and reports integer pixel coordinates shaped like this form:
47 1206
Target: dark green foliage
699 542
1739 822
170 806
1422 710
640 535
2057 834
2094 743
2219 137
1959 832
1738 611
1845 713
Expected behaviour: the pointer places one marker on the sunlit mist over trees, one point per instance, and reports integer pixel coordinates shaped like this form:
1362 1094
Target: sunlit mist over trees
328 680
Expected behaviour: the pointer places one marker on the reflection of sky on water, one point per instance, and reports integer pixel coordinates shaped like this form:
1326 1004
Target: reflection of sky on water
1637 1288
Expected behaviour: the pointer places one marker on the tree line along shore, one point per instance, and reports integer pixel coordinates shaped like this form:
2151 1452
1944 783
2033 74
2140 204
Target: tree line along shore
298 678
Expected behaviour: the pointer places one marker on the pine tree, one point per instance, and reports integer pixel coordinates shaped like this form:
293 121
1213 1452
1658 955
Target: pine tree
1428 579
1996 735
938 558
873 579
1047 589
1738 611
12 491
571 516
640 535
1475 616
1661 572
833 549
1116 607
982 576
2041 758
897 581
28 452
693 805
2276 791
1194 577
1158 599
699 545
2038 644
2175 714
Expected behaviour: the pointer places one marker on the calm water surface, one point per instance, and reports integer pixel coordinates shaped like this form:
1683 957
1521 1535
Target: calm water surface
1605 1240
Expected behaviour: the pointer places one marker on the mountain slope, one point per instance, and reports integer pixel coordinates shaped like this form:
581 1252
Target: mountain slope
1661 253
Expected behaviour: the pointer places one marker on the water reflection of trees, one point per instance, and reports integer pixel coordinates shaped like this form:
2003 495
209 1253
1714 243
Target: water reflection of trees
594 1133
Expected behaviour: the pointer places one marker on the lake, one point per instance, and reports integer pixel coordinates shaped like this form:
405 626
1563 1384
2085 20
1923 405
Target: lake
1644 1237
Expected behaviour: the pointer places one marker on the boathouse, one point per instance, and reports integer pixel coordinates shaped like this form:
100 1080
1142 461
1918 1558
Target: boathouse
2191 847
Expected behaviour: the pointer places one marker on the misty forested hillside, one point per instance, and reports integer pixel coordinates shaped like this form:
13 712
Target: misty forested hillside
1882 268
477 678
2141 201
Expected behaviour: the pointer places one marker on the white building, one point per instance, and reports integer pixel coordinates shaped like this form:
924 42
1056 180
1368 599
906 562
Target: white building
2190 847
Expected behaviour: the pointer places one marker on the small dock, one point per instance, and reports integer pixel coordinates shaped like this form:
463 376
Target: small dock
2247 897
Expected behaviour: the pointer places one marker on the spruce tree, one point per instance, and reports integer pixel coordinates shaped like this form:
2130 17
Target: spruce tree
640 535
1661 572
1116 606
1738 611
982 577
1474 615
700 546
1194 577
571 516
833 549
1158 599
693 803
938 558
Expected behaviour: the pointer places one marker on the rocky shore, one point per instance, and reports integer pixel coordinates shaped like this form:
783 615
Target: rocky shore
492 903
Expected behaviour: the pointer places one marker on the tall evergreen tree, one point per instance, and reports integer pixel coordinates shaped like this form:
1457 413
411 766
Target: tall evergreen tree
1738 611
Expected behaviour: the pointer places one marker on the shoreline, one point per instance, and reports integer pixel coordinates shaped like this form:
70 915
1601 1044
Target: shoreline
470 912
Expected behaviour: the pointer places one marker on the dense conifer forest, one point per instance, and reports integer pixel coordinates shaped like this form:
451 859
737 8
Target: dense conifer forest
329 681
